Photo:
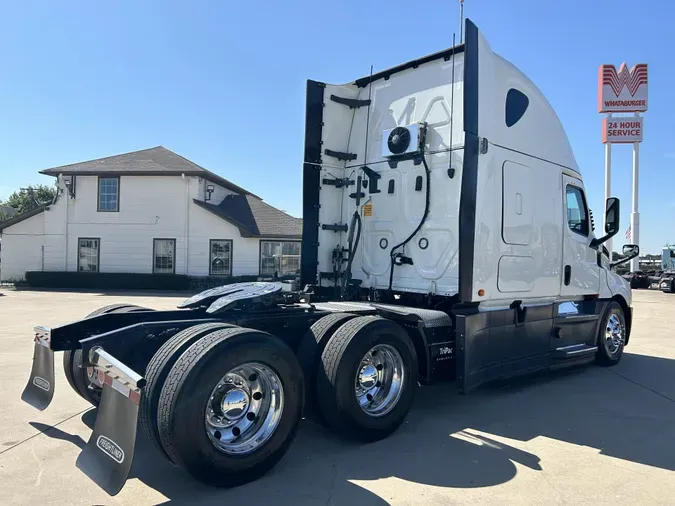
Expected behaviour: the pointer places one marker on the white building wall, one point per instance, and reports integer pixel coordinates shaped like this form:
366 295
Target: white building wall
205 226
22 248
150 207
55 240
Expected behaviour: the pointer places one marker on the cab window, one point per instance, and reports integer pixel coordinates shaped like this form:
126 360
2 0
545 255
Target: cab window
577 214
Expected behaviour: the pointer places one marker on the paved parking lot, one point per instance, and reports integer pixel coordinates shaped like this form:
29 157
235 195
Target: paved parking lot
588 436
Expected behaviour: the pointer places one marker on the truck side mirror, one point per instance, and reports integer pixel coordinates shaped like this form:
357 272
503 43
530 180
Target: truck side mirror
629 252
612 216
612 213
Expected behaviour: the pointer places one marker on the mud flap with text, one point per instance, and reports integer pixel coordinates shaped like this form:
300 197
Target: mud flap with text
108 455
40 388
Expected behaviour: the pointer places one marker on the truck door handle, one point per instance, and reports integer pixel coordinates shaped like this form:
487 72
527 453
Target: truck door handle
568 274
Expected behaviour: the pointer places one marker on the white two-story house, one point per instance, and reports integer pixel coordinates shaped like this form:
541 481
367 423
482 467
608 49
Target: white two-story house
150 211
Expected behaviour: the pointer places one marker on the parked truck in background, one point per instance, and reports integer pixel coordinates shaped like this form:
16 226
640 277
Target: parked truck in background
667 281
446 237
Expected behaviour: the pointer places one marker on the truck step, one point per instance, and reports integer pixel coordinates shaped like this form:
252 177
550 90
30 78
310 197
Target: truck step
574 351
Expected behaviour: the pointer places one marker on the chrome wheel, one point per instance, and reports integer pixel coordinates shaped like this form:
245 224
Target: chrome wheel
244 408
614 334
379 380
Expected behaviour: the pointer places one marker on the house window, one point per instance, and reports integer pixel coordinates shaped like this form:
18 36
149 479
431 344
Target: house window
164 255
88 254
220 257
577 216
108 194
279 258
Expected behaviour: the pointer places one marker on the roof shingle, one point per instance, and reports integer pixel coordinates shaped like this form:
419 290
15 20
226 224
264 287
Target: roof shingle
157 161
255 218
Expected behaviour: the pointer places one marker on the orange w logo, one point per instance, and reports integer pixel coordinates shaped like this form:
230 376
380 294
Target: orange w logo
632 79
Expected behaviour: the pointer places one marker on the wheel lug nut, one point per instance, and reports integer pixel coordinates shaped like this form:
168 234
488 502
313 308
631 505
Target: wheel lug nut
257 396
236 431
253 377
250 417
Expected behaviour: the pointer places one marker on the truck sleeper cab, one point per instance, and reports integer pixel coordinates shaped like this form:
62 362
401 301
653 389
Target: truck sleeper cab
446 237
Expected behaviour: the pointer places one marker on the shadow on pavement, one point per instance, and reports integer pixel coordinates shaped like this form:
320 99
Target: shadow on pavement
450 440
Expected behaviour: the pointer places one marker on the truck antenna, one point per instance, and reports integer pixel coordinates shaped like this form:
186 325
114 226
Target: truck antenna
461 19
452 103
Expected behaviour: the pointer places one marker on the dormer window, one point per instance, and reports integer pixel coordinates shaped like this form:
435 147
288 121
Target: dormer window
109 194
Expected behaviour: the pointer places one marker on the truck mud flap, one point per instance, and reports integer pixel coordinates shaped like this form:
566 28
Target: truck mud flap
108 455
39 391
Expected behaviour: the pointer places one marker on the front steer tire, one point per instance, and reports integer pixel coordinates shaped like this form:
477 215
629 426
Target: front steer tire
157 371
341 362
76 374
609 353
185 400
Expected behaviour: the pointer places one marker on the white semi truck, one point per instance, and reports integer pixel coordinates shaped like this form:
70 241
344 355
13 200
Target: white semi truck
446 238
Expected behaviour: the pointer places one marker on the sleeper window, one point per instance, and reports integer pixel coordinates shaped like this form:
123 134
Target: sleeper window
516 105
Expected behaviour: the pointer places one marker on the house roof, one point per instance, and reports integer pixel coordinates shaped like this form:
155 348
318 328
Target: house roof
255 218
157 161
19 218
9 212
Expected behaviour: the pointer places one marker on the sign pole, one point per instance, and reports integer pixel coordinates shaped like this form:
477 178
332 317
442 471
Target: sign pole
608 187
623 91
635 215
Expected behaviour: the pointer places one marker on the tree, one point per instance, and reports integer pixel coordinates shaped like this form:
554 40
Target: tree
27 199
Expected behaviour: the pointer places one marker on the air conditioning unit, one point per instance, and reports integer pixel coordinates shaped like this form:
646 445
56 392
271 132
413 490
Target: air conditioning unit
403 140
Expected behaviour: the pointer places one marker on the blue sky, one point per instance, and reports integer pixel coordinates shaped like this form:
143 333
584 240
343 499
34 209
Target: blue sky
223 83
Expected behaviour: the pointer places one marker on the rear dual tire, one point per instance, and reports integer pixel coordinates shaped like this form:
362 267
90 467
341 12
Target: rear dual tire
364 377
309 354
73 360
157 371
226 404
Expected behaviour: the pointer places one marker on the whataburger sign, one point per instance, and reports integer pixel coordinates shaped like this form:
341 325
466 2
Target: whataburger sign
622 90
622 130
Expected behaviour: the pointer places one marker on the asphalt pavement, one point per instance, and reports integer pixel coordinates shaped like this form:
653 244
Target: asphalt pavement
587 436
